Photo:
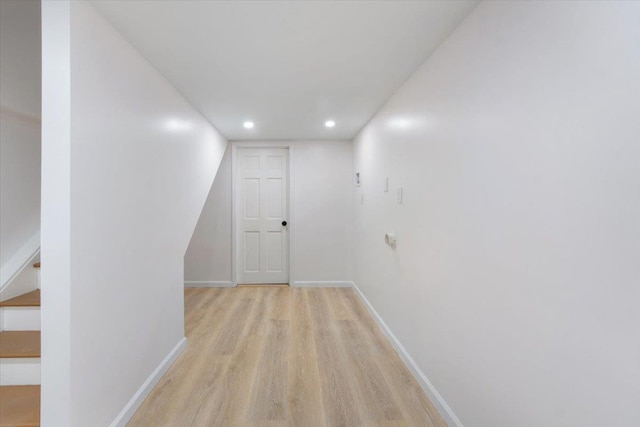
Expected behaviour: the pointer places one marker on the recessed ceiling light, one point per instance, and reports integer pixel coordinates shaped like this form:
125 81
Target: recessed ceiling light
329 123
248 125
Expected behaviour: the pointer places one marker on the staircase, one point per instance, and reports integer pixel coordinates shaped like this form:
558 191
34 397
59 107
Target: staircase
20 360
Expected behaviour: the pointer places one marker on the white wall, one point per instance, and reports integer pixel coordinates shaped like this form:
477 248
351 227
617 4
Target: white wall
208 258
322 216
19 192
20 65
321 222
19 181
20 54
515 281
55 274
133 172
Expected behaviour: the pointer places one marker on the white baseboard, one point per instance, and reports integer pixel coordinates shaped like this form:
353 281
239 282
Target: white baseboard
321 284
445 411
127 412
208 284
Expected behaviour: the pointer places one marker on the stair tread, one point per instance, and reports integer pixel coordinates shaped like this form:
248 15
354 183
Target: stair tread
30 299
15 344
20 405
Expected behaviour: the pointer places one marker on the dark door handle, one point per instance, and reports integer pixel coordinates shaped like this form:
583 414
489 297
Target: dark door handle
284 223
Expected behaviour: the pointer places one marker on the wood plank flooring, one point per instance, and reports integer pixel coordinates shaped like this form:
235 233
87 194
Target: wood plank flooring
280 356
30 299
20 406
15 344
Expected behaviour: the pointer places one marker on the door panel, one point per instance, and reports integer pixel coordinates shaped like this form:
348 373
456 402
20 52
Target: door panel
274 252
252 251
252 198
262 205
274 198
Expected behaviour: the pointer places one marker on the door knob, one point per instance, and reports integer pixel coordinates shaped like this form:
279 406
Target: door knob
284 223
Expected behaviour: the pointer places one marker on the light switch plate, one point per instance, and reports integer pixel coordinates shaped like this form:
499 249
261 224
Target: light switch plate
386 185
399 195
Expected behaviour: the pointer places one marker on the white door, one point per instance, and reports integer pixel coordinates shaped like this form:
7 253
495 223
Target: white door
262 215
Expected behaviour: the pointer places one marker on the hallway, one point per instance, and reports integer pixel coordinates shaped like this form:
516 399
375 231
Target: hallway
448 189
281 356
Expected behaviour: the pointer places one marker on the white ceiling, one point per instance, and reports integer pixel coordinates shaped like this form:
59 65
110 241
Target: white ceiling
286 65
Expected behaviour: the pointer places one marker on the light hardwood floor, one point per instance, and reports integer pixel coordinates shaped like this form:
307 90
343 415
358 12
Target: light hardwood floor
280 356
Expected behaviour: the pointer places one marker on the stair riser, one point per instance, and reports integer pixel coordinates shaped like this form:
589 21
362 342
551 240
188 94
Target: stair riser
20 318
23 371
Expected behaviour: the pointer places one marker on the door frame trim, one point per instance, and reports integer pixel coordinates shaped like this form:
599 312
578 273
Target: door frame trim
235 145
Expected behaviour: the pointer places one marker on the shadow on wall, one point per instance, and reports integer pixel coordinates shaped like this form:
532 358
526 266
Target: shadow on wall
20 135
207 261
